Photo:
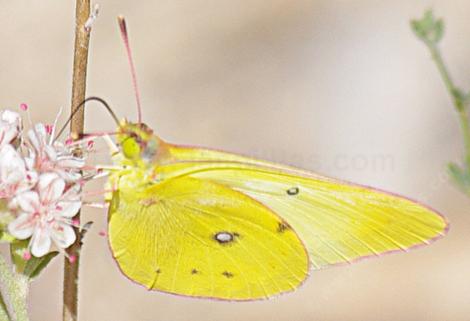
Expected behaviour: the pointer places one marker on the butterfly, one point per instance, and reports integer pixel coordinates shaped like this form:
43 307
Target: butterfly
205 223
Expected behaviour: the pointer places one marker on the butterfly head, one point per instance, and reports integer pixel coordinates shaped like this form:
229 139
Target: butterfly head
137 141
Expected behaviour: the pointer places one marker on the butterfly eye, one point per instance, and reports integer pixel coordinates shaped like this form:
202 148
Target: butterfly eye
130 147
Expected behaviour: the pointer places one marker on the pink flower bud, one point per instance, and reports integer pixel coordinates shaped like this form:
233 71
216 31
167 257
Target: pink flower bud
49 129
26 256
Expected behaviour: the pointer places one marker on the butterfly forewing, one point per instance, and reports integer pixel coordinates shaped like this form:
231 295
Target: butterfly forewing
338 222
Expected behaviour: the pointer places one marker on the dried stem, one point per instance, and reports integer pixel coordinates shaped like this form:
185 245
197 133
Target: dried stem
82 38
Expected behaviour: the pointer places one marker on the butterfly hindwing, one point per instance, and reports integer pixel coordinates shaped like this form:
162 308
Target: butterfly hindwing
198 238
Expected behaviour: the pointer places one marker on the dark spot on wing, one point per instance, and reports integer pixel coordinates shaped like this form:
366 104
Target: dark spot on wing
282 227
158 271
194 271
293 191
227 274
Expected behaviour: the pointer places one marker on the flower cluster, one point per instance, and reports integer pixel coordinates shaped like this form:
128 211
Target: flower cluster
40 184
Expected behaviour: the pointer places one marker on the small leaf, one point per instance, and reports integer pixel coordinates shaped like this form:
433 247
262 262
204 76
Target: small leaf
438 31
30 268
6 237
428 28
456 171
36 264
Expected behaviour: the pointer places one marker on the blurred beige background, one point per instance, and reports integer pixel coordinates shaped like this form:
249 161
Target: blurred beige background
339 87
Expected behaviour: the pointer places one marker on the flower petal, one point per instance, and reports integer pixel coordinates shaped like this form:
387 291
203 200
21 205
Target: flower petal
34 140
10 123
10 117
30 159
28 182
28 201
40 242
41 131
12 166
50 187
68 208
22 227
50 152
63 235
8 154
9 135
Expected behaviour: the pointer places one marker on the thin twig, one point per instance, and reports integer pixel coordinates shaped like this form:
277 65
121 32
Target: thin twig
82 38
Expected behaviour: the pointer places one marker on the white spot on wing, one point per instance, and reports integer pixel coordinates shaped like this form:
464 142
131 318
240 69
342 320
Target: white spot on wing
224 237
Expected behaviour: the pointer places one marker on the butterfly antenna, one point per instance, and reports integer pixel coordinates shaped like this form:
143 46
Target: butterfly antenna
82 105
125 38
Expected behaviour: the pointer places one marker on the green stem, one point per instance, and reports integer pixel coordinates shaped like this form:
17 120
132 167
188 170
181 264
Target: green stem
465 127
437 57
459 101
3 310
14 292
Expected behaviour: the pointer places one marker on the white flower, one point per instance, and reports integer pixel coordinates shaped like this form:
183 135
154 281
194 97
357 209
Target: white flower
14 176
48 156
10 125
46 215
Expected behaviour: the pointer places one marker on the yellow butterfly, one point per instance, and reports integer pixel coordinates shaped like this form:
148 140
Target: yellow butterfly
206 223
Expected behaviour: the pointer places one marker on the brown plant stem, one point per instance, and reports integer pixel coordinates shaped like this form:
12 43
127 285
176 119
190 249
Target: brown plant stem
80 60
